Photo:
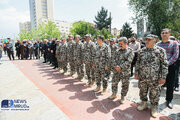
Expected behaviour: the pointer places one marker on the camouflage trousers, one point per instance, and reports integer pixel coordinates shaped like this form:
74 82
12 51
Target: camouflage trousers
90 72
72 65
59 63
79 68
101 78
64 65
125 84
152 87
108 72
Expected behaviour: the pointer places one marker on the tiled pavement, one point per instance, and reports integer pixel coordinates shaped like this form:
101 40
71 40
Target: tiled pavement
15 82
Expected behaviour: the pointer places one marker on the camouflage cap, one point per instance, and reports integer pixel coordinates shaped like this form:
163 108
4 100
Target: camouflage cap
124 39
172 38
112 40
70 36
88 35
150 36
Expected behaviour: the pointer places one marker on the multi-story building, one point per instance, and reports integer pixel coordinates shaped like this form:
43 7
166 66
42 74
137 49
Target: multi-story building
64 27
40 9
25 26
115 32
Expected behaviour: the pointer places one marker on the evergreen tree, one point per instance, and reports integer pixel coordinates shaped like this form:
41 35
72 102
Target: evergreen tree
102 20
126 30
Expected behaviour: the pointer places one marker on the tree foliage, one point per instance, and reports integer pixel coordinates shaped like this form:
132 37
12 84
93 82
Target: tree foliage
102 20
82 28
24 35
45 31
159 13
126 30
48 31
104 32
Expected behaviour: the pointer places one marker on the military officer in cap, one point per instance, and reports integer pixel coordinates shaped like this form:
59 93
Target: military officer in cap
89 55
122 68
151 70
103 55
78 56
113 48
70 54
63 53
57 55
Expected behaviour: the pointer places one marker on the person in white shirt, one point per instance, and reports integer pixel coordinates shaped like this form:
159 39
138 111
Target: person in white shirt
136 46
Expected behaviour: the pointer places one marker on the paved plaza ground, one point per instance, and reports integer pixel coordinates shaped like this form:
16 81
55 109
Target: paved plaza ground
54 96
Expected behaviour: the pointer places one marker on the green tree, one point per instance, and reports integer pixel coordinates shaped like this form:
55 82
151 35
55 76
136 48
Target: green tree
102 20
35 34
24 35
126 30
48 31
104 32
174 19
159 13
82 28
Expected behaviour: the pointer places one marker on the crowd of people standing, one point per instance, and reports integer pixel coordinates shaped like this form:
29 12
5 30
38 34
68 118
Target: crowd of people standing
156 62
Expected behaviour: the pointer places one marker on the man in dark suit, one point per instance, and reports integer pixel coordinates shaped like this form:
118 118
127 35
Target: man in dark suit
18 50
10 50
53 53
45 50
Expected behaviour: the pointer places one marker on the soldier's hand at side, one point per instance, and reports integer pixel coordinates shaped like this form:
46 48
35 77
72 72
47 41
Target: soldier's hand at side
106 68
136 77
93 65
118 69
161 81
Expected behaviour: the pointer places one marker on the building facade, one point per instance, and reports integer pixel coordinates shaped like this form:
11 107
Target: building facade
115 32
63 26
25 26
40 9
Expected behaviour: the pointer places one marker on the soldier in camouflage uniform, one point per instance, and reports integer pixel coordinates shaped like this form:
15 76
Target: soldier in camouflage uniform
78 57
101 61
57 54
70 54
113 49
89 55
63 53
151 70
122 68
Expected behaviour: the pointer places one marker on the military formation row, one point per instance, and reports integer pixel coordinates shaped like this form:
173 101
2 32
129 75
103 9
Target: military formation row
100 59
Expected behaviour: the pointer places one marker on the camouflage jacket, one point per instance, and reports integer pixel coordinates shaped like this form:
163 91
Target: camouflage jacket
63 52
70 50
89 52
58 51
113 51
78 51
103 54
123 60
152 63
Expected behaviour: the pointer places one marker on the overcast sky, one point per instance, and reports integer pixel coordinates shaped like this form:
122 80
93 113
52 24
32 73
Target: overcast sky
14 11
